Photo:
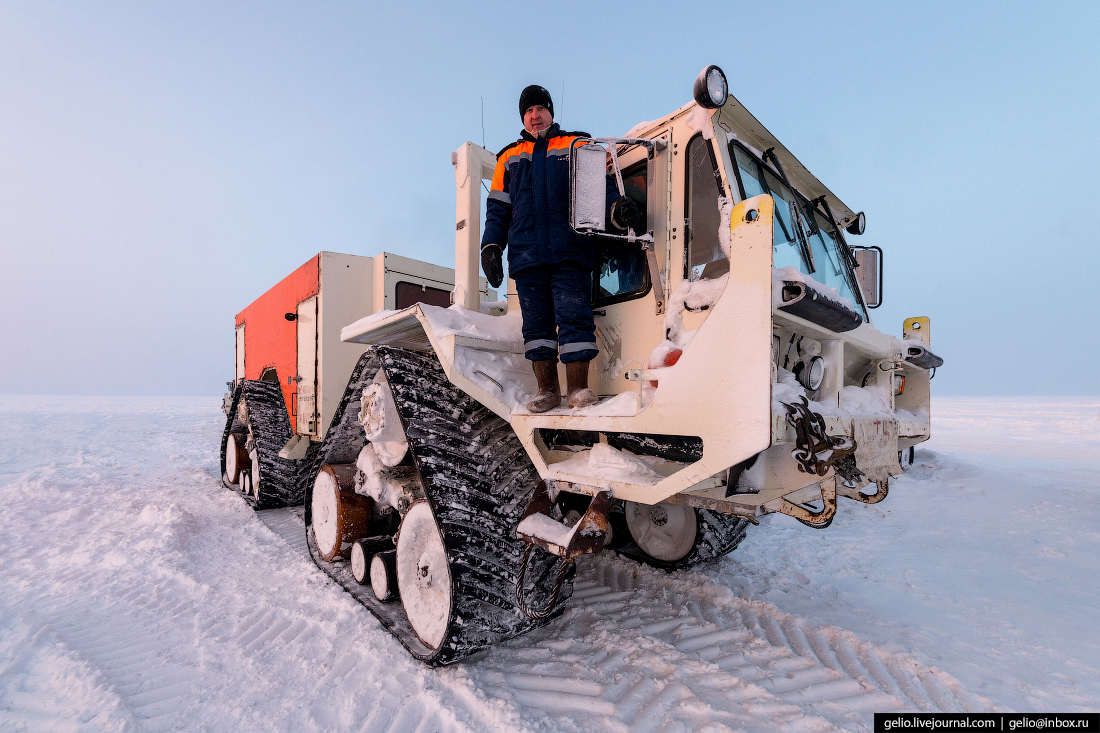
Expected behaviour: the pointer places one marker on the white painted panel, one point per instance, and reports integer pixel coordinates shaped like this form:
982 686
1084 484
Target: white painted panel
307 367
239 371
347 294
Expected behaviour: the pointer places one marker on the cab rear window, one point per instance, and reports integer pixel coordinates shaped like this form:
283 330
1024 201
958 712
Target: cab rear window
412 293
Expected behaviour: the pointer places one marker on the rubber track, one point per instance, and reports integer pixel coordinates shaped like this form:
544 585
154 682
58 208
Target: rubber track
230 419
478 478
270 426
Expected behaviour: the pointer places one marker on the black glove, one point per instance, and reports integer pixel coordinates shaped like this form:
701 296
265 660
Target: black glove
625 214
492 264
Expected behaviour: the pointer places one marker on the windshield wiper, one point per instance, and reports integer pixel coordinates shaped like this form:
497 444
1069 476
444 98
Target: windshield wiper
849 257
804 238
769 154
800 235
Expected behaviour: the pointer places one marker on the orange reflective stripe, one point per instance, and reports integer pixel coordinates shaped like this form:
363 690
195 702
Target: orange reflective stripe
502 162
556 143
498 175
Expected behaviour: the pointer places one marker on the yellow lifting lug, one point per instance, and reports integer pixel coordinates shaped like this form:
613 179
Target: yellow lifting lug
918 328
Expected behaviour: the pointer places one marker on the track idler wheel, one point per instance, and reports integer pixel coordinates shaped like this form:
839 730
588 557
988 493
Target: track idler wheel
340 516
383 575
424 575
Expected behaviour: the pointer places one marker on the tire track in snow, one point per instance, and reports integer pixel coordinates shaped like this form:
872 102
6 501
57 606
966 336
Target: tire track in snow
640 649
131 656
751 648
48 685
288 524
160 654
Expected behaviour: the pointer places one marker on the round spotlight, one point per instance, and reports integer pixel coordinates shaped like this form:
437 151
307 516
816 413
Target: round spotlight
810 374
858 225
711 89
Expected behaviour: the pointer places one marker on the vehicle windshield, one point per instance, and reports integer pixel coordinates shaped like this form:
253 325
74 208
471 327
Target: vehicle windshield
802 237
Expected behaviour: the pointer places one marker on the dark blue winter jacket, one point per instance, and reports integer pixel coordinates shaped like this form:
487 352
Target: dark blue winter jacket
528 206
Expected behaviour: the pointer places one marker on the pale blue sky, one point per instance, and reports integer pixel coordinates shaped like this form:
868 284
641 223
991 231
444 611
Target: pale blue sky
162 164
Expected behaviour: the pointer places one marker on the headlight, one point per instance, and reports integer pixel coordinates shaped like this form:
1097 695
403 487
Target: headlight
810 374
711 89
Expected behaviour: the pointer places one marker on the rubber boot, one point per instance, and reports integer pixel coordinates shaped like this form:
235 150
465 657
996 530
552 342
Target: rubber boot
576 381
549 396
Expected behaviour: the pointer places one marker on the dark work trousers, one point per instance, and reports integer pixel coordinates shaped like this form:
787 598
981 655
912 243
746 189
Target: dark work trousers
556 302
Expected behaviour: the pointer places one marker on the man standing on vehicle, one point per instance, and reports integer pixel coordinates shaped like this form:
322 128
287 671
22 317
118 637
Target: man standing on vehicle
528 212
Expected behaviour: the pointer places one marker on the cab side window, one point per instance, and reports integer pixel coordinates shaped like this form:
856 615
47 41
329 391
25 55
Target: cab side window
621 269
702 215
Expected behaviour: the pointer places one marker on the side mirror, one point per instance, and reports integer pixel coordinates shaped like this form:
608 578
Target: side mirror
869 274
589 189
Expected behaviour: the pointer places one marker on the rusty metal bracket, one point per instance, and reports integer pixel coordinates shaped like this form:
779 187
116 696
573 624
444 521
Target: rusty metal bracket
817 520
586 538
882 488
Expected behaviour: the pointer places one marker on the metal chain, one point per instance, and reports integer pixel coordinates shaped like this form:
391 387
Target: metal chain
554 593
848 471
816 451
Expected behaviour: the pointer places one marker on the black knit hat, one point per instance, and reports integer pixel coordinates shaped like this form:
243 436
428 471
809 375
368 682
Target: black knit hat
533 95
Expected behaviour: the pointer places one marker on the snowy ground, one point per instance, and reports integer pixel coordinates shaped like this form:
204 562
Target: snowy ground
137 594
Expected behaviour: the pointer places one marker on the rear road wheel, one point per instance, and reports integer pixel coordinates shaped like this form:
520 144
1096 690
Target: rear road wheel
383 575
665 532
672 536
254 483
245 482
236 457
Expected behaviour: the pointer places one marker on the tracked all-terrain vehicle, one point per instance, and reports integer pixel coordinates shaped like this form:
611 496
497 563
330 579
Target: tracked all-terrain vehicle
739 375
